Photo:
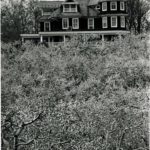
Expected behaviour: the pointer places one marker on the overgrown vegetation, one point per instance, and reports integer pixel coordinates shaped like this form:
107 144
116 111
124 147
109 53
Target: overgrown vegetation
75 97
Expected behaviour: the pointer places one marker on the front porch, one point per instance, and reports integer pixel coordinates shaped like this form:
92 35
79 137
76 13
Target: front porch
54 38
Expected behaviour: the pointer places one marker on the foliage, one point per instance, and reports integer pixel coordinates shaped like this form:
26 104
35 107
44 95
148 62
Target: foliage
18 17
92 97
137 19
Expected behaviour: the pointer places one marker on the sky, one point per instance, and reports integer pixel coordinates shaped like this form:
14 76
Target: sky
51 0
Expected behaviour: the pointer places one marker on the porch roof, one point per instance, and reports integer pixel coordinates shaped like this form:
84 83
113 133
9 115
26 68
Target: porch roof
30 35
61 33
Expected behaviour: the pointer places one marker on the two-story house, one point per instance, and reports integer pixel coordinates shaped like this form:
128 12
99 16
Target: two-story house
61 19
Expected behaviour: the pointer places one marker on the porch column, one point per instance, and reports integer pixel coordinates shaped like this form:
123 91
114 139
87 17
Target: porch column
120 37
103 40
41 38
102 37
84 38
52 41
22 39
64 39
48 41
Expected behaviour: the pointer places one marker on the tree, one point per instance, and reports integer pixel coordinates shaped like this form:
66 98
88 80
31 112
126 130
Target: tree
19 17
137 15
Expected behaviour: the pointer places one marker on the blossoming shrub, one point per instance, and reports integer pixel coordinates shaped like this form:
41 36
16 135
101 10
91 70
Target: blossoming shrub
93 95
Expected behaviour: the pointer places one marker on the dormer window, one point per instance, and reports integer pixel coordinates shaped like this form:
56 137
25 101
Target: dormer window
113 6
73 8
122 7
70 8
104 6
66 8
97 7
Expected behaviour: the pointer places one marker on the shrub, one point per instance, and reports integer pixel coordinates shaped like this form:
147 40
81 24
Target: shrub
93 97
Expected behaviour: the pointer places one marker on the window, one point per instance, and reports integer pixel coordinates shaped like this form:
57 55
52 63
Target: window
105 25
46 26
114 21
66 8
73 8
65 23
75 23
97 7
113 5
122 21
104 6
122 7
91 23
70 8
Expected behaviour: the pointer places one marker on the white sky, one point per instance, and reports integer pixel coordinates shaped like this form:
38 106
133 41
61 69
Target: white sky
51 0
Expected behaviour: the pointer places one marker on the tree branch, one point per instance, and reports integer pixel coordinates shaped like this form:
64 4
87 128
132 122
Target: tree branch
26 124
34 120
121 139
27 143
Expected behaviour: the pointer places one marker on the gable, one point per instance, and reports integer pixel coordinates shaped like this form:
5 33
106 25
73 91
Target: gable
93 2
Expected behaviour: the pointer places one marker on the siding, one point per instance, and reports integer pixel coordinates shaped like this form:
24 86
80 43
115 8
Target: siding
41 26
56 25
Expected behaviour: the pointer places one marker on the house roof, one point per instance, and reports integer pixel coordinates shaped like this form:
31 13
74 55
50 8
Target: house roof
93 2
44 17
49 4
84 9
70 14
93 12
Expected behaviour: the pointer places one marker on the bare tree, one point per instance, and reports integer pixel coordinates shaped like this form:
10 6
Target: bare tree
137 10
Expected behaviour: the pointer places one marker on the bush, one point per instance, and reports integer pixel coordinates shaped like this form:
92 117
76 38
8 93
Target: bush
92 97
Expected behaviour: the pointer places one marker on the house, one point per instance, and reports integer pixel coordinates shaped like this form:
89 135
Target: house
61 19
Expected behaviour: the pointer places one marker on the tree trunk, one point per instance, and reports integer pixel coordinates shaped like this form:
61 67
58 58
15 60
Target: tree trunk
139 25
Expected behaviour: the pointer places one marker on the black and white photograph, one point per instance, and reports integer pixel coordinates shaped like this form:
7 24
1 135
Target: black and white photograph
75 74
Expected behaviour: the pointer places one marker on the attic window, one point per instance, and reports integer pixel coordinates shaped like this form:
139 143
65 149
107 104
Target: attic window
66 8
70 8
97 7
73 8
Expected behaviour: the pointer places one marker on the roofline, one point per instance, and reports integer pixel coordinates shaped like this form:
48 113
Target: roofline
112 0
30 35
70 3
